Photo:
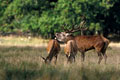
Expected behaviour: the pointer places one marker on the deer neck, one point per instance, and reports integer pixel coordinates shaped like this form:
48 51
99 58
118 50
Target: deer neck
70 38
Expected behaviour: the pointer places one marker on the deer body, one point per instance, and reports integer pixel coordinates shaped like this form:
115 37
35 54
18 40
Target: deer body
70 50
85 43
97 42
53 49
53 46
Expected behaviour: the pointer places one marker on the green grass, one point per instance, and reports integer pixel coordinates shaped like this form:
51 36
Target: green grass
24 63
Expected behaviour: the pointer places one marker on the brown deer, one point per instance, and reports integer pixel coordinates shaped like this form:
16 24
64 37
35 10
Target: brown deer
85 42
53 49
70 50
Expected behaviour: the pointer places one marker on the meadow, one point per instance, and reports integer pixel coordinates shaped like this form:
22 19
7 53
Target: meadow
20 60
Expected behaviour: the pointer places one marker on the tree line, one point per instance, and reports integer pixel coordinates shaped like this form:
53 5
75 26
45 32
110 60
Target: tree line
45 17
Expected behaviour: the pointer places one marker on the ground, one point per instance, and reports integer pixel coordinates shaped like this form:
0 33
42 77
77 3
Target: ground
20 60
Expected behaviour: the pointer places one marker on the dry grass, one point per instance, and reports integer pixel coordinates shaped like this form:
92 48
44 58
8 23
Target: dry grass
24 63
113 44
22 41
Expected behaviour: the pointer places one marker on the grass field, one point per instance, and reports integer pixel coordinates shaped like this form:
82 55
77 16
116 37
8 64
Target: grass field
22 62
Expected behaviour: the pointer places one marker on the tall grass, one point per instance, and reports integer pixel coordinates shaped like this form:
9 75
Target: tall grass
24 63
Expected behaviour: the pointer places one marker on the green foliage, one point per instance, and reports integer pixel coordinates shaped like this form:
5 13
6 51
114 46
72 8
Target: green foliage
44 17
23 15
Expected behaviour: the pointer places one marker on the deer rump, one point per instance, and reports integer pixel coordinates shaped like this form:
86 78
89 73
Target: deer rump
53 49
70 50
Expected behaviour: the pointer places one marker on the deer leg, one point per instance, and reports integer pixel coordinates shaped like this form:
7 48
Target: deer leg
105 57
74 58
67 58
104 54
55 59
82 56
70 58
100 57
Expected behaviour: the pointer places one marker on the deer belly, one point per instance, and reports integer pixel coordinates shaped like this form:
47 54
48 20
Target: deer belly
84 48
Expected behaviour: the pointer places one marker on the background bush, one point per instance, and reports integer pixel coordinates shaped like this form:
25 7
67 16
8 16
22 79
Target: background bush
44 18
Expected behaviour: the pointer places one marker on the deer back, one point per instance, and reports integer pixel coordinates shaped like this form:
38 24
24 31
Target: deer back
53 45
85 43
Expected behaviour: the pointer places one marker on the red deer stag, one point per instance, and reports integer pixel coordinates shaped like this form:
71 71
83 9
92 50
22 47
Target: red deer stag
70 50
85 42
53 49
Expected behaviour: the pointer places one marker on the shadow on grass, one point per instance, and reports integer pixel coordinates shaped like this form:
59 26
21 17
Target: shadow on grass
47 72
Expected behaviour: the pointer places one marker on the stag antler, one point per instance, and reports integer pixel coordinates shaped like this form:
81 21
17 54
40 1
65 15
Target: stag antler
76 28
69 30
82 25
63 27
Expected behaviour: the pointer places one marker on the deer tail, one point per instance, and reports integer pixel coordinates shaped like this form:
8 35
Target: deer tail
106 42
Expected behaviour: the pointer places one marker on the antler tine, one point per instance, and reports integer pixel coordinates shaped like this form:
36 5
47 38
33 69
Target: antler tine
75 28
84 28
82 24
80 27
72 28
64 28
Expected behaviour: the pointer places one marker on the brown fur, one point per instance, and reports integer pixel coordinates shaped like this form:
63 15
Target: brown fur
70 50
85 43
53 49
97 42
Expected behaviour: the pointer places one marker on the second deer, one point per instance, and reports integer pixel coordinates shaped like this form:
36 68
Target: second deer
53 49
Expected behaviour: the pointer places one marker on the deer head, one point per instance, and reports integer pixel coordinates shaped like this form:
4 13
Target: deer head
67 34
